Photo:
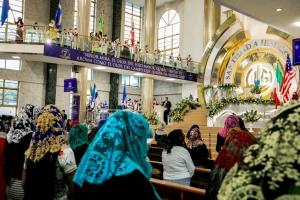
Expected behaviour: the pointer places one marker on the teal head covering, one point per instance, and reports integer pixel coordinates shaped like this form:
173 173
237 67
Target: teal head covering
119 148
78 136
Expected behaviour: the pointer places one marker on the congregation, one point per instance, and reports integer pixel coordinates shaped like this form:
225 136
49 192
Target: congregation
112 158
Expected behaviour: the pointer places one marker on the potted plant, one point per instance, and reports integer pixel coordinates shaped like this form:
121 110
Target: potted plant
251 116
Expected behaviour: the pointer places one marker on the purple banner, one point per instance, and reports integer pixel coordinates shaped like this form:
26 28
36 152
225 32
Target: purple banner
119 63
296 51
75 107
70 85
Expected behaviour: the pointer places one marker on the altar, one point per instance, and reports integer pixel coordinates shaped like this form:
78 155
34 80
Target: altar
159 112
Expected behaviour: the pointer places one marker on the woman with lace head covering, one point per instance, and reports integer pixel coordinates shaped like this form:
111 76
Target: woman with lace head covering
197 148
115 163
270 169
49 162
230 122
18 139
78 139
161 135
237 142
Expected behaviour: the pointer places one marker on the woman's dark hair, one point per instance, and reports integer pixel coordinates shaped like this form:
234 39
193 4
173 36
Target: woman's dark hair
242 124
93 133
14 158
40 178
175 138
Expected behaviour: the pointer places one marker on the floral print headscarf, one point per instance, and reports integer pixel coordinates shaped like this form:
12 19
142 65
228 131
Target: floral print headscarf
271 168
22 124
230 122
49 135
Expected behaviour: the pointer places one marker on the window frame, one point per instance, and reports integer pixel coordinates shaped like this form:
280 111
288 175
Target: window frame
172 38
5 61
137 20
92 16
129 84
3 88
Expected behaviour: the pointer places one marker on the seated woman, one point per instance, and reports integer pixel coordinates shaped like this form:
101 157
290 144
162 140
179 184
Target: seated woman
266 170
230 122
178 164
78 139
197 148
237 142
115 163
49 163
161 135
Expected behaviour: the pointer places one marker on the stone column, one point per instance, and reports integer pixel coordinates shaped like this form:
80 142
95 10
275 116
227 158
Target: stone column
150 16
51 78
212 13
114 91
83 17
82 91
147 94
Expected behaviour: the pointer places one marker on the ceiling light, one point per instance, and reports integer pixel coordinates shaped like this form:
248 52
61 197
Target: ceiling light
99 67
16 57
279 9
170 79
138 74
297 23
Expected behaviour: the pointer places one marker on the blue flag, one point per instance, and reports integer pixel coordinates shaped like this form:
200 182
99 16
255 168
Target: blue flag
124 95
58 15
4 12
94 97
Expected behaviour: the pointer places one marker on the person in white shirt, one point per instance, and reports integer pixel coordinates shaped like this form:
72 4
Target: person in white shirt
178 165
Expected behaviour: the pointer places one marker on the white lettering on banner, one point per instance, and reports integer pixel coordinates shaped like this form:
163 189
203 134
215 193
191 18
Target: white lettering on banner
250 45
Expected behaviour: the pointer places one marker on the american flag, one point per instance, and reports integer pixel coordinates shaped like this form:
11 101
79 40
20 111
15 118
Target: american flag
132 33
289 74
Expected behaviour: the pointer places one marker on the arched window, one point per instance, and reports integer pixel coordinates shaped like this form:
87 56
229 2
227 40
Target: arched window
168 33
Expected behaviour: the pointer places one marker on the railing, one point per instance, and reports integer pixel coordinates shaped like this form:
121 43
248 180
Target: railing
41 34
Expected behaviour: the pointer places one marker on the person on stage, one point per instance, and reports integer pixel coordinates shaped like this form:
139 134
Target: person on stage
167 104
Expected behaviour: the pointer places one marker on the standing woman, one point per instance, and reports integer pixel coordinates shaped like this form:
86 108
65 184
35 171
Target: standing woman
78 139
49 163
231 121
178 165
197 148
18 140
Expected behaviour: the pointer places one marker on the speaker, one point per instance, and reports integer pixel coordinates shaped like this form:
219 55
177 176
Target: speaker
75 69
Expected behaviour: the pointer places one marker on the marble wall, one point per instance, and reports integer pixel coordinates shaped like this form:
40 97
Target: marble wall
37 11
68 13
107 6
62 98
163 89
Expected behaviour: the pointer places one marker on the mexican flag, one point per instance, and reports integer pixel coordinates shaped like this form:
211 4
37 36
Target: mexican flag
277 87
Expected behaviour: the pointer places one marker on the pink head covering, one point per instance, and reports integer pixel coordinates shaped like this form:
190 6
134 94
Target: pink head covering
230 122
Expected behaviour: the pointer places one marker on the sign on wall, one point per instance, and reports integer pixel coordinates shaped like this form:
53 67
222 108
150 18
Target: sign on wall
296 51
119 63
70 85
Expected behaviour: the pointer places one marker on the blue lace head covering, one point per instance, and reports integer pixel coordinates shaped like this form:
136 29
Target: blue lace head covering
119 148
189 132
49 135
78 136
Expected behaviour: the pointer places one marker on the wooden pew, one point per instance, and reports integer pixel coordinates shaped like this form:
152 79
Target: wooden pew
174 191
199 179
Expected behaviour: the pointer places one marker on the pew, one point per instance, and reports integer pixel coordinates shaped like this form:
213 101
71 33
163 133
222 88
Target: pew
199 179
174 191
